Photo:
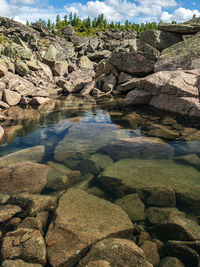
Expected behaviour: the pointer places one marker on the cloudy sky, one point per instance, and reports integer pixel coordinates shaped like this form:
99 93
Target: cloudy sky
117 10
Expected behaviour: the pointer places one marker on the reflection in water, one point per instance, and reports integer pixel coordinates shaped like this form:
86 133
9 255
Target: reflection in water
117 150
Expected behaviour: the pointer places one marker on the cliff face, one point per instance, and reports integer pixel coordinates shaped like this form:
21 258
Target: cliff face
36 64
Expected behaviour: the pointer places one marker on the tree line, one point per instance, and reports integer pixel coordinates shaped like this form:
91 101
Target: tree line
90 26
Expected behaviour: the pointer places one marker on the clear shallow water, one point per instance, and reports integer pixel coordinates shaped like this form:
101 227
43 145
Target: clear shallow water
141 148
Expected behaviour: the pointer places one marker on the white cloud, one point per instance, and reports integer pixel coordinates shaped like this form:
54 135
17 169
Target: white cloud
180 15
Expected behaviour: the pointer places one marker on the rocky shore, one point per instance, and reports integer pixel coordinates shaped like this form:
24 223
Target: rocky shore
94 205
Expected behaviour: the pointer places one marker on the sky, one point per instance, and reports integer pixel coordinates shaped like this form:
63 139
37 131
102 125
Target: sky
114 10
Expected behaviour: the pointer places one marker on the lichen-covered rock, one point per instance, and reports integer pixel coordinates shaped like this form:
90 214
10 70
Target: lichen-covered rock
81 220
8 211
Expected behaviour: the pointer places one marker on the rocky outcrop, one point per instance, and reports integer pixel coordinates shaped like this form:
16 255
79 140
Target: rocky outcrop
78 224
186 28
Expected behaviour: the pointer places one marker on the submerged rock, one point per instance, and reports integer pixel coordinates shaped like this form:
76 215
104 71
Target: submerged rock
81 220
171 262
115 250
19 263
22 177
8 211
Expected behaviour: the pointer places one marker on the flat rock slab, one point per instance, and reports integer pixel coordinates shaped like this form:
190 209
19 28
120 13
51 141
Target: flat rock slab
138 175
179 28
116 250
82 219
7 211
32 154
19 263
23 177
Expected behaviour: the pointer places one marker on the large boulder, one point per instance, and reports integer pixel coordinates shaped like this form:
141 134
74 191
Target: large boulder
8 211
115 250
11 98
183 55
159 39
137 63
184 28
21 177
82 219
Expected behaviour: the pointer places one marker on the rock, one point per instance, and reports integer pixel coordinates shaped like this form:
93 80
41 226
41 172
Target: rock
30 223
1 133
85 63
191 159
87 166
39 27
171 262
98 55
50 56
162 198
32 65
182 250
3 70
127 86
4 198
8 211
137 63
4 105
115 250
99 263
39 100
43 218
183 55
32 154
101 161
133 206
68 31
138 147
158 130
20 177
60 68
151 252
110 83
83 140
32 204
138 97
159 39
179 28
177 228
21 68
147 175
157 215
24 243
11 98
78 224
88 88
19 263
123 78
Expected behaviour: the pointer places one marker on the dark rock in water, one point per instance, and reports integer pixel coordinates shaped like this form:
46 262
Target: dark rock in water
177 228
87 166
162 198
171 262
21 177
81 220
138 97
137 63
184 253
115 251
24 244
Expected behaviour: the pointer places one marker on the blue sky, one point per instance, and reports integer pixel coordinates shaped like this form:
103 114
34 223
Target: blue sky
117 10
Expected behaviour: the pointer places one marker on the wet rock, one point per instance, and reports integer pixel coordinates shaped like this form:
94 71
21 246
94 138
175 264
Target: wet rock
162 198
138 147
184 253
115 250
134 174
20 177
19 263
30 223
159 39
191 159
171 262
133 206
78 224
177 228
26 244
138 97
8 211
157 215
151 252
137 63
87 166
83 140
101 160
32 204
11 98
158 130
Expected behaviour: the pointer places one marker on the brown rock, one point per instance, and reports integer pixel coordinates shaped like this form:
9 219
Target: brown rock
8 211
39 100
81 220
171 262
26 244
21 177
1 133
116 251
99 263
30 223
21 68
162 198
138 97
19 263
151 252
11 98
